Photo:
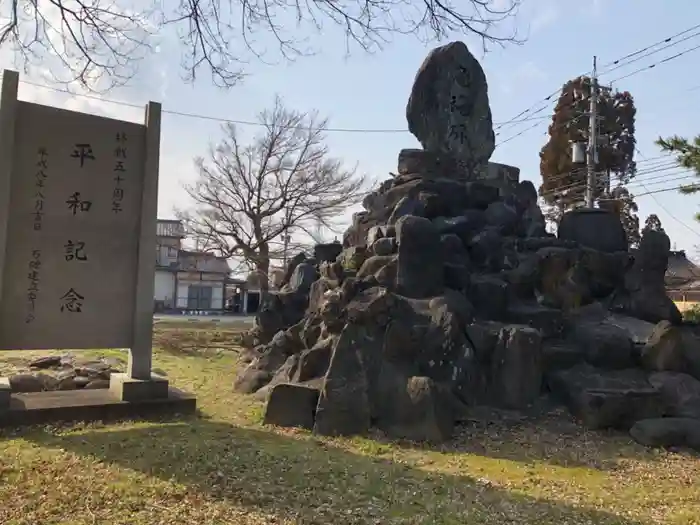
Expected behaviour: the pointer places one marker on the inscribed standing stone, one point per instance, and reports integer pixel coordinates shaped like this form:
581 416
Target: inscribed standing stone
448 110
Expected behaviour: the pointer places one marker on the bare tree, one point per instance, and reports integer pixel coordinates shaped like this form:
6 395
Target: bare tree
248 197
106 39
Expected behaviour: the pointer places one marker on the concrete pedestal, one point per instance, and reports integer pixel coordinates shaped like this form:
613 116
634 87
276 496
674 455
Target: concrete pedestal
5 394
125 399
125 388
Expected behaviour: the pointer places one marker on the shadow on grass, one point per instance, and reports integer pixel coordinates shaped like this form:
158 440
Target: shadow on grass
309 481
552 436
558 441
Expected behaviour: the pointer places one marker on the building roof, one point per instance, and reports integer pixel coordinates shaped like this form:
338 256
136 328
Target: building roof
681 272
202 261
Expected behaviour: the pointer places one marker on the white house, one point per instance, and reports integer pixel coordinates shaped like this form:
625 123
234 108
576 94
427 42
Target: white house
187 280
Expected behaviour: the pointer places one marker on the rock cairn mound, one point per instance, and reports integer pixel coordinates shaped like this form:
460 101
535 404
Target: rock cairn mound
447 293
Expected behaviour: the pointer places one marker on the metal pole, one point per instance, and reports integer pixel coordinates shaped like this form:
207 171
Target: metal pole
286 247
592 138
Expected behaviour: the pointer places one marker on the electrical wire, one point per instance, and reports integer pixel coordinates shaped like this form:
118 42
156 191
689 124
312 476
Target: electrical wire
615 62
665 209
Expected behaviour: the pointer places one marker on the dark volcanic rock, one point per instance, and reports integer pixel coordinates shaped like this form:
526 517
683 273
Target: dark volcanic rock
291 406
643 294
448 110
593 228
48 361
343 406
327 252
604 345
680 392
421 411
606 399
516 367
667 432
420 262
672 348
449 293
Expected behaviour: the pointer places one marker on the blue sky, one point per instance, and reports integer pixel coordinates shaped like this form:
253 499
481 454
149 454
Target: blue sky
370 92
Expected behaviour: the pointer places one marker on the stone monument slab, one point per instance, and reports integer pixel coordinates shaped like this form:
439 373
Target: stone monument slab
78 206
71 256
448 110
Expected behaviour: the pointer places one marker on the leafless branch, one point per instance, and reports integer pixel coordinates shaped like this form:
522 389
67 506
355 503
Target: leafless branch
248 198
101 43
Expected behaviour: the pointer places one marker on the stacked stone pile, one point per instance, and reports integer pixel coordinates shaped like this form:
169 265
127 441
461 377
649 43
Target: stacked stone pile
447 294
62 372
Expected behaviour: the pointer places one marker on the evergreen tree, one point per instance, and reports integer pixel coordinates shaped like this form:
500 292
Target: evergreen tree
653 223
563 183
687 156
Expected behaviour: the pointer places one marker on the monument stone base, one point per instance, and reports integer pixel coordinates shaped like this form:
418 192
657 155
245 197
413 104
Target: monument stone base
126 398
5 394
125 388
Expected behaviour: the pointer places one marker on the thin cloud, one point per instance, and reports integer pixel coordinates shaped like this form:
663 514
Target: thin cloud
526 73
544 17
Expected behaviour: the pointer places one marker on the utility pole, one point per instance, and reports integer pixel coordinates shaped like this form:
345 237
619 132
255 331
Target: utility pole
286 237
592 138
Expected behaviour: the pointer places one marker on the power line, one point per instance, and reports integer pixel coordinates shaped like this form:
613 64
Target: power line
658 163
653 192
650 169
200 116
660 173
635 72
677 177
612 63
668 212
667 59
617 63
645 55
217 119
663 190
648 174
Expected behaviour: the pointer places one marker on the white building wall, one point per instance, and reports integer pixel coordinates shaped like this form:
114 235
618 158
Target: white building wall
166 255
164 287
182 289
185 280
217 296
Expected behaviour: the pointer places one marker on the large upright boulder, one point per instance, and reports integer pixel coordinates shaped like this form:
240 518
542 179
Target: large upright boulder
343 405
643 294
448 110
420 272
516 367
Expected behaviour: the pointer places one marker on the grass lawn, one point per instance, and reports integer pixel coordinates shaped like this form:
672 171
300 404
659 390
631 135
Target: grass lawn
225 468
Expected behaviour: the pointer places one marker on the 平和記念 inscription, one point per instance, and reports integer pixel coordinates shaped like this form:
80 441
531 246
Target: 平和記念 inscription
76 204
72 301
83 152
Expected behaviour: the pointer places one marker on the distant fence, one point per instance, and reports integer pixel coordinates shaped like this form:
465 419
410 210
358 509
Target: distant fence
684 296
685 299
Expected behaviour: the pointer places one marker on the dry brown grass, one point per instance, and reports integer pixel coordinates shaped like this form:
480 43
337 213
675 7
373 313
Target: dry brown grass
225 468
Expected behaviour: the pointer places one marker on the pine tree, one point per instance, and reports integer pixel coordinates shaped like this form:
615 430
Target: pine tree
687 156
563 184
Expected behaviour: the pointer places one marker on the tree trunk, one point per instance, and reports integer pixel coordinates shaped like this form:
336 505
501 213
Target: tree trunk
262 268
